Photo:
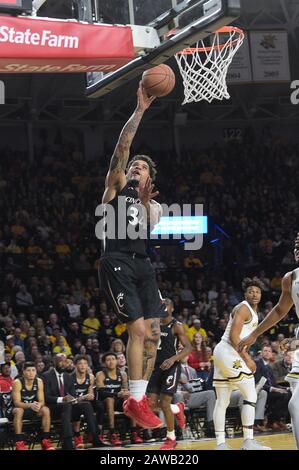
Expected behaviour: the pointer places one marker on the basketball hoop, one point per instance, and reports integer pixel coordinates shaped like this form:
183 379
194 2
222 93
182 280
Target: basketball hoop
204 68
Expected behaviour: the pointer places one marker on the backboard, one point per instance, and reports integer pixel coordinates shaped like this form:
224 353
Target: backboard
190 20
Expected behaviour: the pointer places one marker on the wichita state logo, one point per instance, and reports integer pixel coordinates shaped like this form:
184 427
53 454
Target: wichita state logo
237 364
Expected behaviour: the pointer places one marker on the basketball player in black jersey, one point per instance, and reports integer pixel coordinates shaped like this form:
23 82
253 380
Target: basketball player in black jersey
165 377
83 385
112 388
29 402
127 276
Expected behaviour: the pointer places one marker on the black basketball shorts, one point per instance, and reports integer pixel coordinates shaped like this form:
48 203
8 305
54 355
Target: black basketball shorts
164 381
129 283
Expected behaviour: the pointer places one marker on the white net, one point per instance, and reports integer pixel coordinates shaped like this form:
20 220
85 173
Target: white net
204 69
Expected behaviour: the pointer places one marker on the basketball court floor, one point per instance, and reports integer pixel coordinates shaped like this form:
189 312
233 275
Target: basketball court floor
283 441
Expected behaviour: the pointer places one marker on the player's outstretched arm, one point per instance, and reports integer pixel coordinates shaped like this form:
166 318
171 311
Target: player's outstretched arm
115 179
280 310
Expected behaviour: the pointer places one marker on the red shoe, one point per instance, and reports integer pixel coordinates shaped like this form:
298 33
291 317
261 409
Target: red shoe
47 444
180 416
114 440
20 445
135 438
169 444
79 444
140 411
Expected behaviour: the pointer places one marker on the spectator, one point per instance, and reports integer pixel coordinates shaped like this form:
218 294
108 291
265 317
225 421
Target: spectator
91 324
196 328
198 359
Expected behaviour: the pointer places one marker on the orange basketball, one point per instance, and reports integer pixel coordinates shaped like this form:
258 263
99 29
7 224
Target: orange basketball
158 81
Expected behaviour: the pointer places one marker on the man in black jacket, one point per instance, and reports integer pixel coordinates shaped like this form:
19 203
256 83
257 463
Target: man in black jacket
278 397
60 397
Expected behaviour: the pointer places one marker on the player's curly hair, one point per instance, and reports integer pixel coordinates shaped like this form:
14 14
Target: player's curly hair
149 161
254 282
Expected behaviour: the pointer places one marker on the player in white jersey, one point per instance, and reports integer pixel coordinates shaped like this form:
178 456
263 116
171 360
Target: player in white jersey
233 370
289 298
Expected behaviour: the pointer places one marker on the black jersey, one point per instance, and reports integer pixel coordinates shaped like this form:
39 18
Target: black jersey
168 342
81 389
29 396
113 386
124 227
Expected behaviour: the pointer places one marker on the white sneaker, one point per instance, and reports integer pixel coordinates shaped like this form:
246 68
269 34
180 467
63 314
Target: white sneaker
223 446
252 444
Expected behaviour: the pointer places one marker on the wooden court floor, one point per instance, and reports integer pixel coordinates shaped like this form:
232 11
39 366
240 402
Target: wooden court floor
283 441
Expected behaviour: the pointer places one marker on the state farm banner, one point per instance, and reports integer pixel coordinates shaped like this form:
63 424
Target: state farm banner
270 56
45 45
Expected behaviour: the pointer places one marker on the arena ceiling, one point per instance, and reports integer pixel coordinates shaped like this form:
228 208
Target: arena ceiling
60 98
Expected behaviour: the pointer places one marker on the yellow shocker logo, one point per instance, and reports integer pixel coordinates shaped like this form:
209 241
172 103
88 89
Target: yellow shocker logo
254 325
237 364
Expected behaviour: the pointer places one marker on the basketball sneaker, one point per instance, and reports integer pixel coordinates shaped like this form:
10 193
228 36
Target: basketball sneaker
181 418
135 438
223 446
169 444
114 440
140 411
47 444
252 444
78 441
20 445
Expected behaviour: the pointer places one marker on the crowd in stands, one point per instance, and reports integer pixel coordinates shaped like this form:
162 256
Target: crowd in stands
51 302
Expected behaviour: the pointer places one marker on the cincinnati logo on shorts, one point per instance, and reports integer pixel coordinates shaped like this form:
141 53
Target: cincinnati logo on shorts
120 299
237 364
169 379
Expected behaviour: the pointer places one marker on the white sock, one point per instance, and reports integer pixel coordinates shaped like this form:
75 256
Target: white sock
145 384
171 435
220 437
175 409
247 433
137 389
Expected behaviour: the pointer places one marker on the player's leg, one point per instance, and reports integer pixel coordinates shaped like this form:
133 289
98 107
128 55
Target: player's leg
294 412
223 393
46 443
170 442
247 389
151 341
18 426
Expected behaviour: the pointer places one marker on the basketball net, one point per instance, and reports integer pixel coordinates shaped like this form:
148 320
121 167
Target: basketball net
204 68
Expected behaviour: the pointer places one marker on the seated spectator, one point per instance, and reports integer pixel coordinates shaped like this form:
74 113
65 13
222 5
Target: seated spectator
18 340
24 298
198 357
29 402
60 347
282 367
278 397
73 309
193 392
6 382
196 328
91 324
186 294
74 333
122 362
117 346
192 262
106 333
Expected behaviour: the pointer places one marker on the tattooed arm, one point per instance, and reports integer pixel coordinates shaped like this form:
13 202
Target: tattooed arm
116 179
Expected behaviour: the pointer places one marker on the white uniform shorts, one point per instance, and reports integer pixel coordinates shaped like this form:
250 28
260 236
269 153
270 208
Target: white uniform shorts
229 367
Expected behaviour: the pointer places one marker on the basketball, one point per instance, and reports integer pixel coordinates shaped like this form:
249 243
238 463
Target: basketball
158 81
